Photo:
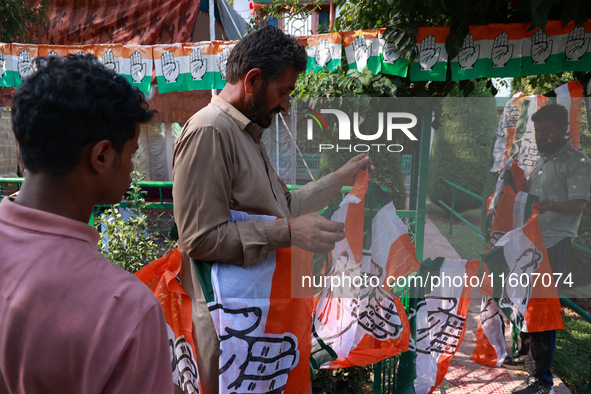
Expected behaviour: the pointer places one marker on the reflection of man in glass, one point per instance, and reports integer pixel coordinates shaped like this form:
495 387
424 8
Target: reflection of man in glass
561 179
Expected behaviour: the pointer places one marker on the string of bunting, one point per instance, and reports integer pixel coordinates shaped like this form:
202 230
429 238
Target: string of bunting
494 50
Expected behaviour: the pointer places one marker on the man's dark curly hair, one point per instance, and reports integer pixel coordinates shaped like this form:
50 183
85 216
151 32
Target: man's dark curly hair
552 112
68 103
269 49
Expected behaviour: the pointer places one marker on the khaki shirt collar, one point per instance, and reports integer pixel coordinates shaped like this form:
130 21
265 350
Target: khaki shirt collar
254 130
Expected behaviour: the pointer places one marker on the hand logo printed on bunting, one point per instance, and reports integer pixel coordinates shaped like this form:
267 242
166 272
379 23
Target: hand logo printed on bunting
223 61
171 68
362 51
428 55
516 298
468 53
390 53
182 361
137 70
541 47
2 62
443 330
323 54
576 45
198 65
109 61
528 150
501 50
24 64
254 364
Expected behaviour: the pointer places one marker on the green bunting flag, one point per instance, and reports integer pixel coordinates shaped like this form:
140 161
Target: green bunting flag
431 61
489 51
6 68
363 49
391 61
324 52
171 67
202 60
544 50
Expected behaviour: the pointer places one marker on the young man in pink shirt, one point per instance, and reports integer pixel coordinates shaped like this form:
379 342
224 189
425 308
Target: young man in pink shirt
71 321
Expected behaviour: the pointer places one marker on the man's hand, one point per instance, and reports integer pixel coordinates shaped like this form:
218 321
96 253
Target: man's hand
571 207
315 233
348 172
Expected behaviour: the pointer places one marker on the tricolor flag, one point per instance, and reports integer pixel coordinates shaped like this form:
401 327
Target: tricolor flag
508 208
516 132
544 51
137 66
359 320
324 52
523 284
172 67
221 51
577 53
6 67
201 65
111 55
490 335
160 277
392 62
489 51
21 62
265 334
363 49
431 61
441 319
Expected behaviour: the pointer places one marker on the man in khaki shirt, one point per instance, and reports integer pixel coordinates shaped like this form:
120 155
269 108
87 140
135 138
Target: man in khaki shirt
220 165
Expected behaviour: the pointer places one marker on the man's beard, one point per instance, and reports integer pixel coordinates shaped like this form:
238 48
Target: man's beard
256 110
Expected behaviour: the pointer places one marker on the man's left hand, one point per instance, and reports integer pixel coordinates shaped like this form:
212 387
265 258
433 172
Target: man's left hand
348 172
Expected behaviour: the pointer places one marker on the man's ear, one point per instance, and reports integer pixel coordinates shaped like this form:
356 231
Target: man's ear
101 156
253 80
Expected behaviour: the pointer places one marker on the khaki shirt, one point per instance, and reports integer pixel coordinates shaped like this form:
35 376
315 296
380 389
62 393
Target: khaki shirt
220 164
564 176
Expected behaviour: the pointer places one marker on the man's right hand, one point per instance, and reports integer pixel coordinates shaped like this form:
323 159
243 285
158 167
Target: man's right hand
315 233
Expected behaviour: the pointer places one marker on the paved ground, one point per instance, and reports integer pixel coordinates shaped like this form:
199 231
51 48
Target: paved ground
464 375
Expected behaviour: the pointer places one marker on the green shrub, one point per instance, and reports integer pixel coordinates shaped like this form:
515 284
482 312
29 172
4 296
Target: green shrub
126 237
461 150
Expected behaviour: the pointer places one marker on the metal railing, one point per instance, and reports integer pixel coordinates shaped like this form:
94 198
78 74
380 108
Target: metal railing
452 209
565 300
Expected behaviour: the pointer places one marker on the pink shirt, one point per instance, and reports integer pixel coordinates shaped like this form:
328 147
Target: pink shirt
70 320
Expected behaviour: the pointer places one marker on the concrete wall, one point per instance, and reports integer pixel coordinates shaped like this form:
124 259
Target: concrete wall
7 146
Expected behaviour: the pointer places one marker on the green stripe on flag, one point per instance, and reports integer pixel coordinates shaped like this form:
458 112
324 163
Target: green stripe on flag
438 73
511 69
7 79
206 83
203 269
398 68
478 70
143 86
552 65
166 87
